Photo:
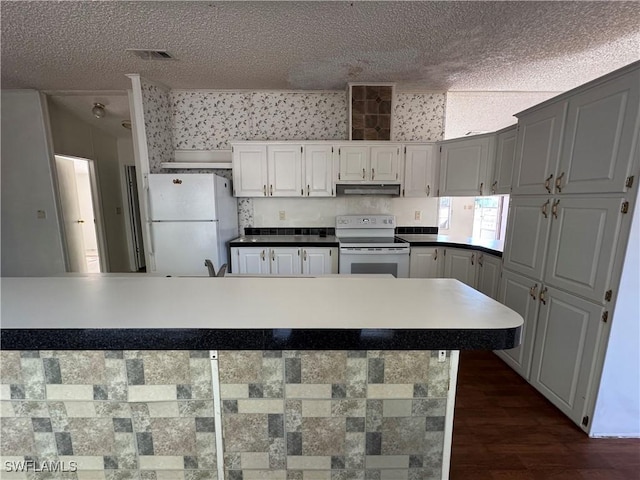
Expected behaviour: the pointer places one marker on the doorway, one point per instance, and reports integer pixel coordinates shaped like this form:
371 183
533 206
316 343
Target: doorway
79 200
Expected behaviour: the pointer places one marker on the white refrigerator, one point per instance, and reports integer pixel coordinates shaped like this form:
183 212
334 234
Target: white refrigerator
191 218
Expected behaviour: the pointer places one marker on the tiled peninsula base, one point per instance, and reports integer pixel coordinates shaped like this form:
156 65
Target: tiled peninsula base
285 415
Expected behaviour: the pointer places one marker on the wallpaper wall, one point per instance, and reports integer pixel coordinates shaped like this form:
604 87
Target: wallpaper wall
157 121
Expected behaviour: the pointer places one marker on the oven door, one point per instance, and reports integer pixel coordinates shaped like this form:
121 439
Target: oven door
374 261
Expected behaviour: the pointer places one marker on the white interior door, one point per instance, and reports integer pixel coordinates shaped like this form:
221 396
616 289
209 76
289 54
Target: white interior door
71 214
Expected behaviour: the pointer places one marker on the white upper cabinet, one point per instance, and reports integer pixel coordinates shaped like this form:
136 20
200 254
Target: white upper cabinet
318 171
461 264
602 125
385 163
525 246
420 171
284 168
426 262
505 157
250 171
489 268
538 149
582 244
354 163
464 166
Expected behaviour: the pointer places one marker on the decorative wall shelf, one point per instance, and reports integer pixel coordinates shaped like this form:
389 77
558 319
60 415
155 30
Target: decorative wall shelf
199 159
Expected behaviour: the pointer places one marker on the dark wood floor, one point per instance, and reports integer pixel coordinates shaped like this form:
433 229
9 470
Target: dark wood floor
505 430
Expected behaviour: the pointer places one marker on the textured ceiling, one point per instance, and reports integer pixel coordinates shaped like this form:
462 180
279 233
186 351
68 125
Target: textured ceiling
539 46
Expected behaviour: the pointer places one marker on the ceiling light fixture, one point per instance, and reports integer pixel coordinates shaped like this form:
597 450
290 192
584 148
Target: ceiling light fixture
98 110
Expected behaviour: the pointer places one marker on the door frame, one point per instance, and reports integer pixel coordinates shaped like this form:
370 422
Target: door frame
96 200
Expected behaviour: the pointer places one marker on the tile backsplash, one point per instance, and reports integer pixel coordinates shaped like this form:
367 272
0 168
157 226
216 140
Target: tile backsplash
285 414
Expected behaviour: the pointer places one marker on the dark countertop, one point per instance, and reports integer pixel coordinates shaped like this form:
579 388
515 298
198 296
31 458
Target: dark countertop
284 241
492 247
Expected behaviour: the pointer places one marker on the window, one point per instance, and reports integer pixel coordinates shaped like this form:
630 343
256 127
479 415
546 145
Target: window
444 213
489 217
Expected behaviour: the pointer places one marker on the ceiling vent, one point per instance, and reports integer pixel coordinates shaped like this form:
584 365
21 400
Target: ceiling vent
151 54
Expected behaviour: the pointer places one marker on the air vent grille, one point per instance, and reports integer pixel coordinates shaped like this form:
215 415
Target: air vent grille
151 54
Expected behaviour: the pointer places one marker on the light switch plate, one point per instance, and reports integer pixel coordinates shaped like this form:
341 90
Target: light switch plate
283 215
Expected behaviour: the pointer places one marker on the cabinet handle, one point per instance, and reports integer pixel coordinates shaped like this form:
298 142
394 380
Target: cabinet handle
481 187
363 173
554 208
428 190
271 190
544 209
542 296
472 258
480 259
494 187
298 252
559 183
547 183
262 255
304 255
273 255
533 291
373 173
307 190
264 190
435 257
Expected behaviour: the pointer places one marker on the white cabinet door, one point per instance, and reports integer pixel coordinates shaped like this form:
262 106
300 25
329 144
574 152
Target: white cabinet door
319 261
426 262
489 268
285 170
460 264
250 260
601 128
464 166
354 163
250 170
582 244
285 261
505 157
420 171
318 171
385 164
566 340
538 149
521 295
525 248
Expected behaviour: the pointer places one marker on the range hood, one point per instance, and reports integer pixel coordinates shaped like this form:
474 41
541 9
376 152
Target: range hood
368 189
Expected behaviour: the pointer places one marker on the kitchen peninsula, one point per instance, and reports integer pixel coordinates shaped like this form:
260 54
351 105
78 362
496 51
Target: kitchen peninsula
336 377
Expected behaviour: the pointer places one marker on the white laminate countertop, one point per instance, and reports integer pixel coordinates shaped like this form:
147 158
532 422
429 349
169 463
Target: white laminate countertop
340 302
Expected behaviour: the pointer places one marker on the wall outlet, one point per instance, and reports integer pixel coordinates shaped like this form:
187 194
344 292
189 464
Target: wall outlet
283 215
442 356
41 214
418 215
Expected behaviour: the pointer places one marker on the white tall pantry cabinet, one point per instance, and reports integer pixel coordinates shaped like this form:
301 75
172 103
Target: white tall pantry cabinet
574 188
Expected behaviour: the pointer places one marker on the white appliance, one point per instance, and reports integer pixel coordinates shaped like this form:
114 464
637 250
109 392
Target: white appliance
192 216
368 246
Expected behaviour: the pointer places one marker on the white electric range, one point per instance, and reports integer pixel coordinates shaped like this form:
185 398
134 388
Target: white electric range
368 246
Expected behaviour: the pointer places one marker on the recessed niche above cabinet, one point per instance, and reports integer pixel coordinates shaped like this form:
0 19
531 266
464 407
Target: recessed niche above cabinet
370 108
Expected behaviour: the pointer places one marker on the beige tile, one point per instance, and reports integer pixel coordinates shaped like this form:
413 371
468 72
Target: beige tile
92 436
89 475
13 475
387 461
80 409
16 436
394 474
243 366
161 462
169 475
316 408
349 407
5 392
308 390
234 390
6 409
264 475
173 436
261 406
166 367
81 367
307 462
384 390
396 408
316 475
152 393
10 367
84 462
324 366
163 409
406 366
403 435
323 436
254 460
70 392
246 432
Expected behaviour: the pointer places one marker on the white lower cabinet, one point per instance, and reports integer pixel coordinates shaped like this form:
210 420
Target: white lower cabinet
284 260
426 262
565 349
488 276
460 264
